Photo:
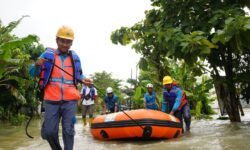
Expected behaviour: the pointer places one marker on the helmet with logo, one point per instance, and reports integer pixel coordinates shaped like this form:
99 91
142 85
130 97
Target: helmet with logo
167 80
65 32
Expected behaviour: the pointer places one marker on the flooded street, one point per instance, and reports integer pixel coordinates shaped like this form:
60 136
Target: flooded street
205 134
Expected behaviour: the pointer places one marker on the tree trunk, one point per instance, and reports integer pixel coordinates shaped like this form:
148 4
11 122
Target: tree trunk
241 109
220 92
225 100
233 110
222 95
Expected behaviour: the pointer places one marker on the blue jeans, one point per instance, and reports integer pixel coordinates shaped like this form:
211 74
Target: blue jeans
54 111
186 115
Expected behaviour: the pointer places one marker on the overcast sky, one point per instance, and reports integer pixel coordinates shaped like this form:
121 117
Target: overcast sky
92 21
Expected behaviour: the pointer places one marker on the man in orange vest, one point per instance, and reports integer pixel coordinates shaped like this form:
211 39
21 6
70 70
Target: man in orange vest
60 88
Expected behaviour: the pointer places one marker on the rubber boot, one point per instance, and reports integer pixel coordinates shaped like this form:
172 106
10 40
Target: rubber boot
84 121
90 121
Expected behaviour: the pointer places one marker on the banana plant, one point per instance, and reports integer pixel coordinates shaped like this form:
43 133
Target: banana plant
14 62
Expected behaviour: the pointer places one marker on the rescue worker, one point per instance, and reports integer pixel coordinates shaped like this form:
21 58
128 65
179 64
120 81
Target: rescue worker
60 89
110 102
185 108
173 99
89 98
150 99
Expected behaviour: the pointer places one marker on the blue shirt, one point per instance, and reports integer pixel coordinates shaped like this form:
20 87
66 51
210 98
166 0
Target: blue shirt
110 102
33 72
150 98
177 99
150 101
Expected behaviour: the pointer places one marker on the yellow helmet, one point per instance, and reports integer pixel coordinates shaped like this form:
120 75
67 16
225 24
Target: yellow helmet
167 80
65 32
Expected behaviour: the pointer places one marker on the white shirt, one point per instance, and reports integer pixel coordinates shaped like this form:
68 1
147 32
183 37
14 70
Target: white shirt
89 101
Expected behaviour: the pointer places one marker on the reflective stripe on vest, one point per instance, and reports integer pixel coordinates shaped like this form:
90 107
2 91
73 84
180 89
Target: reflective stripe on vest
60 80
49 54
56 83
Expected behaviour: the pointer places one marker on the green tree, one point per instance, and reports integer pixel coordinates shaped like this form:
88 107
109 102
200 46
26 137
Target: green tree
186 76
139 89
215 32
103 80
15 83
196 87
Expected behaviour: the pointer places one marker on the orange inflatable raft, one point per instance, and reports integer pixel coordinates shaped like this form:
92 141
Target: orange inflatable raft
139 123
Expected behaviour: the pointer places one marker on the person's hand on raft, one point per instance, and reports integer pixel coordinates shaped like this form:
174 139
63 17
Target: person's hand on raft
171 113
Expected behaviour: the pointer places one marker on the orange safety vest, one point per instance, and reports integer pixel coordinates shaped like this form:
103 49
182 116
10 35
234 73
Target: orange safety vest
183 100
61 85
184 97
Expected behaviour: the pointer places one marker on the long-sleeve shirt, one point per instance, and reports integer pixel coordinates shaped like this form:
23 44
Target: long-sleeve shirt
36 72
177 102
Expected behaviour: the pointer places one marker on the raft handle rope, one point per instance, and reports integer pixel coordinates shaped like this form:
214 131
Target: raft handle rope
99 91
31 110
133 120
30 113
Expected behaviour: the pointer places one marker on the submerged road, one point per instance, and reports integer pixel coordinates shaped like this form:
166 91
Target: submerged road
205 134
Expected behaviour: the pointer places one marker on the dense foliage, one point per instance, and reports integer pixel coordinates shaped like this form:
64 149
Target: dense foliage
196 32
103 80
16 86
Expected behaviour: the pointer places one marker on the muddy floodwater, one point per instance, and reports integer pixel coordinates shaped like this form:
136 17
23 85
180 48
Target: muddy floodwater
205 135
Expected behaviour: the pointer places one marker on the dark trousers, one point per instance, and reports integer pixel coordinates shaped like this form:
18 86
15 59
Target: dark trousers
178 114
89 108
54 111
184 113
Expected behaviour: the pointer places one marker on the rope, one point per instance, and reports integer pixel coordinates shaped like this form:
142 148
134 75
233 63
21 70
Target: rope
96 88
